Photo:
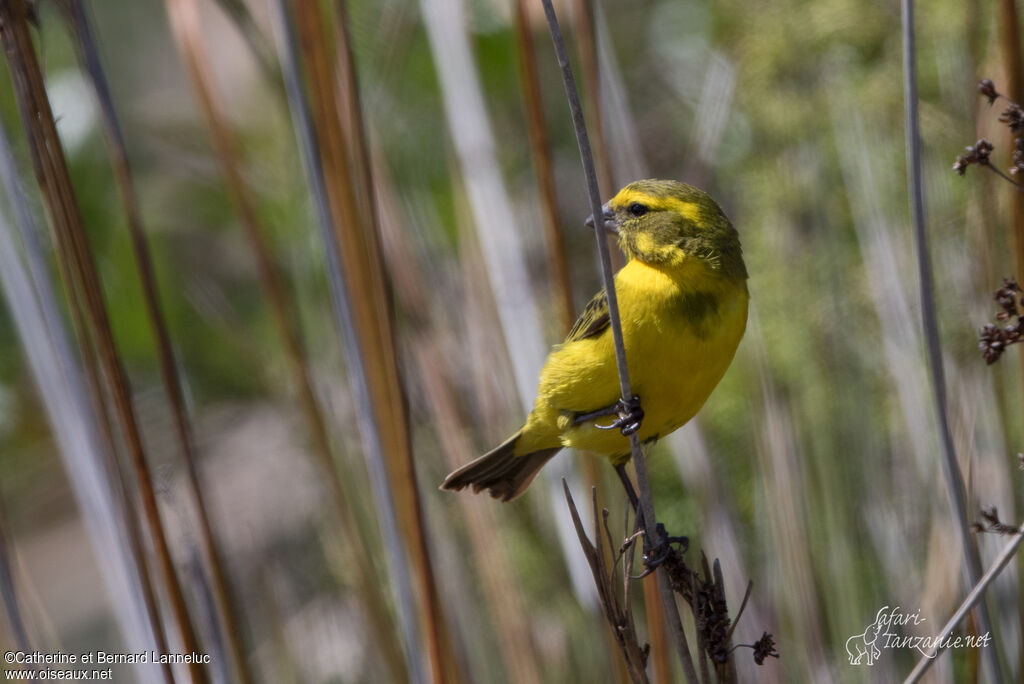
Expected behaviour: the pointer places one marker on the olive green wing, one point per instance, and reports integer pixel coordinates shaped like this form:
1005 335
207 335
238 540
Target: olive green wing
592 321
579 374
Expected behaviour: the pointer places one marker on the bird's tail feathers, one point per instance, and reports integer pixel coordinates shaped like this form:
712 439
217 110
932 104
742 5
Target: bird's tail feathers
504 475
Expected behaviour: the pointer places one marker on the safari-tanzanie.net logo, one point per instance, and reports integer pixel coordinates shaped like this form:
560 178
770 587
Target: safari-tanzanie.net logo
884 634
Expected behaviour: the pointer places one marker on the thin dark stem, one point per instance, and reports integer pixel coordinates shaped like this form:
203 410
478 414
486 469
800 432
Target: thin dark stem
40 280
620 469
359 225
739 613
89 55
543 166
647 505
951 470
82 275
995 170
972 599
344 319
8 593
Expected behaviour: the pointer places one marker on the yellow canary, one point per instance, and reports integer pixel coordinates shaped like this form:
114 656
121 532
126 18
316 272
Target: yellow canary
683 305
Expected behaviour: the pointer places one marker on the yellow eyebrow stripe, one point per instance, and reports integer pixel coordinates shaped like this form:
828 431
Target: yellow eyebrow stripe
687 209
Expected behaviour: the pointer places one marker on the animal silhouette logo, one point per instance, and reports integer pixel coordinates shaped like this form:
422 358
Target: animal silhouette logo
863 645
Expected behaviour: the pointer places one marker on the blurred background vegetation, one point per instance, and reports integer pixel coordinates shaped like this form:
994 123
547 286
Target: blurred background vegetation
814 468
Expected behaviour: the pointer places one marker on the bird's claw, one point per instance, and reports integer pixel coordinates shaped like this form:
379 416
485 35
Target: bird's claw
629 416
653 557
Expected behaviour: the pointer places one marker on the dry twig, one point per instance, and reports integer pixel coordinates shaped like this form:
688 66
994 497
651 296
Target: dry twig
617 609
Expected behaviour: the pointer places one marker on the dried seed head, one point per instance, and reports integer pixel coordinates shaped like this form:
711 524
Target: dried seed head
978 153
1013 116
764 648
988 89
993 340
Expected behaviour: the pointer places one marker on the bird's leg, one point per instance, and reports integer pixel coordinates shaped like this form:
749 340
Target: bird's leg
628 414
627 484
652 557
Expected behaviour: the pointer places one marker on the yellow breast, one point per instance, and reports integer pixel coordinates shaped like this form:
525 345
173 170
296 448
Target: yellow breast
681 327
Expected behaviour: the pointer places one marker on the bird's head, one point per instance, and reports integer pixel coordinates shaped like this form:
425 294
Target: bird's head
672 223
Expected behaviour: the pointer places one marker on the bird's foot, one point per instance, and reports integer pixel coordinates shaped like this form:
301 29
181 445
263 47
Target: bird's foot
655 556
628 416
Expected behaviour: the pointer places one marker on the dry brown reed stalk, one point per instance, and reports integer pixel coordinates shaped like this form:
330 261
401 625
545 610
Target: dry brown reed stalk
8 589
617 608
357 240
656 637
1009 39
90 61
504 594
104 423
586 42
540 153
84 442
134 533
354 127
405 607
73 249
185 22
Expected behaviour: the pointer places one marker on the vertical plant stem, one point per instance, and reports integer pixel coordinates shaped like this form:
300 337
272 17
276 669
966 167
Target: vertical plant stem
344 316
8 589
656 636
618 611
105 426
1009 36
55 182
500 586
950 467
355 129
540 153
543 169
586 42
79 426
646 502
512 287
357 242
504 598
90 60
185 21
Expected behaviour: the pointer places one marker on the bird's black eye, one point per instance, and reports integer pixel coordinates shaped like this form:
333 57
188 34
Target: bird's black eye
637 209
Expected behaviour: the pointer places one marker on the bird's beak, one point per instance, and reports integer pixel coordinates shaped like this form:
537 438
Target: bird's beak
609 220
